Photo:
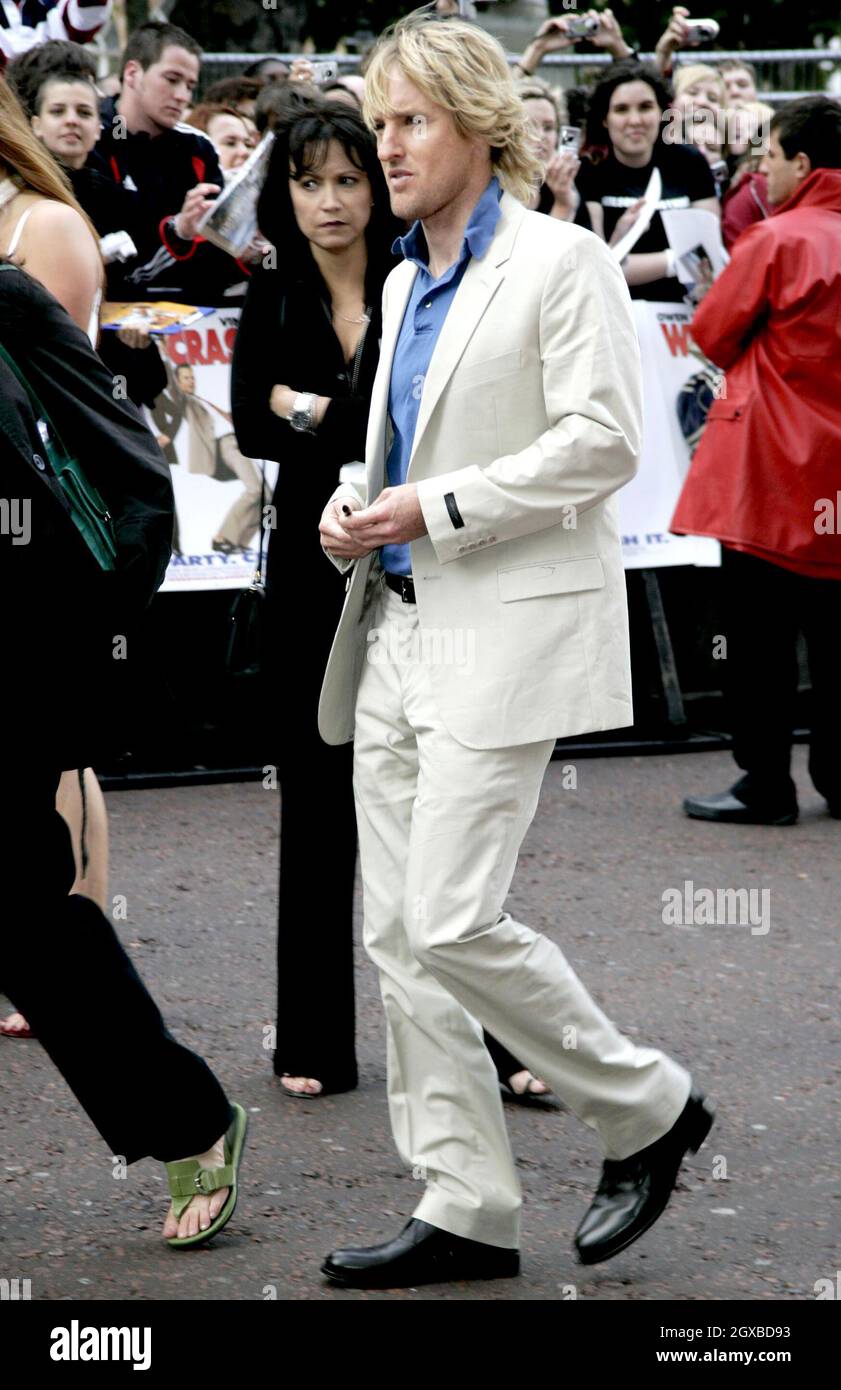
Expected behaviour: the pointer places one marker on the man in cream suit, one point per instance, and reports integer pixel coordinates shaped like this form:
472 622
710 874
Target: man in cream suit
485 616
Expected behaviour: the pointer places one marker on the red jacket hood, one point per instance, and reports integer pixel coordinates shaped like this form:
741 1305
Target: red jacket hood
822 189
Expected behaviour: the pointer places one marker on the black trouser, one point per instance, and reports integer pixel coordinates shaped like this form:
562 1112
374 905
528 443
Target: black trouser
316 1023
765 607
63 967
315 977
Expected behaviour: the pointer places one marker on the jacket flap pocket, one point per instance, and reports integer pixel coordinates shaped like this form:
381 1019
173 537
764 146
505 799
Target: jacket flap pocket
724 409
551 577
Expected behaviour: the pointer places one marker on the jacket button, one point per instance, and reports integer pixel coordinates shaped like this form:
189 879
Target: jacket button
39 462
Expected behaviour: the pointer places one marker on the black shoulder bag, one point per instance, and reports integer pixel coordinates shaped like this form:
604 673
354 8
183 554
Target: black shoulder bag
245 639
244 656
81 499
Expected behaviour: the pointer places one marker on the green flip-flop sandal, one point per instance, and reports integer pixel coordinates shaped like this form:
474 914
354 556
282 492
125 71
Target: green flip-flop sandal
187 1179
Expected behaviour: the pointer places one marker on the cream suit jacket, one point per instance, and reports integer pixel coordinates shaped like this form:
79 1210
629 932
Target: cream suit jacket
530 420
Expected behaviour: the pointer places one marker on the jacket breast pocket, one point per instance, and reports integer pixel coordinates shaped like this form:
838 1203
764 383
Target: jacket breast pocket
570 576
491 369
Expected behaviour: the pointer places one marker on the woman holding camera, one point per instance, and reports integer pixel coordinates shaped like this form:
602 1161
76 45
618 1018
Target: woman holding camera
558 195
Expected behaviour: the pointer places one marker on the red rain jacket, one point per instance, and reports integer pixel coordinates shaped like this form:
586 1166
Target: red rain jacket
766 476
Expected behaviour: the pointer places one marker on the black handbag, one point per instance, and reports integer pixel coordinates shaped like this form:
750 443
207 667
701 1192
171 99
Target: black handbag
244 656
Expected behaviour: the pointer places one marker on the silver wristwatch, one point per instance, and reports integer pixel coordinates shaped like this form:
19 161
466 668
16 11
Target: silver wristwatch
303 407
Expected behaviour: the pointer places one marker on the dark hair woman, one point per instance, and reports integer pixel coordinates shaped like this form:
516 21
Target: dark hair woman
304 364
309 336
624 145
55 84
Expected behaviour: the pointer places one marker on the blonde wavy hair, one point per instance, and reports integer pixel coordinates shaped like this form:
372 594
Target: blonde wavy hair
699 72
462 68
535 89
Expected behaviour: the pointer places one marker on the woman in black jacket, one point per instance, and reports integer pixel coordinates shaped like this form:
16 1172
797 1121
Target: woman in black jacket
304 364
311 324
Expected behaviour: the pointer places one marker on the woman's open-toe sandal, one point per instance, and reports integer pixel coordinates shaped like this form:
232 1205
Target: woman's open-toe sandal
188 1180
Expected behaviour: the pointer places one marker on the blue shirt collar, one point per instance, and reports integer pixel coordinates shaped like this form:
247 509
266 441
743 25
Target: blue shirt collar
478 234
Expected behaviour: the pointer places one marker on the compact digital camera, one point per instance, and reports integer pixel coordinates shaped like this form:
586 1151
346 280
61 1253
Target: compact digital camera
582 27
700 31
324 72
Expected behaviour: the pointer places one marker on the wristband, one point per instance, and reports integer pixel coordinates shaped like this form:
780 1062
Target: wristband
670 263
172 223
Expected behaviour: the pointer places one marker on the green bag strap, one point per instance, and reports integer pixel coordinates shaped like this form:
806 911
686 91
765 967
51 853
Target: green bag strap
88 511
39 409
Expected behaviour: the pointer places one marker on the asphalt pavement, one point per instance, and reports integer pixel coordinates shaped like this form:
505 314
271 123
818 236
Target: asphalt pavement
750 1008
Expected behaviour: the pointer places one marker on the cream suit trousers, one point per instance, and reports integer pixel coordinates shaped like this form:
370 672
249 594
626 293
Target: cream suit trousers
440 828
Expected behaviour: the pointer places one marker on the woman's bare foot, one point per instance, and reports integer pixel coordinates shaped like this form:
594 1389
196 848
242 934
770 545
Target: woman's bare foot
307 1084
202 1210
523 1081
15 1026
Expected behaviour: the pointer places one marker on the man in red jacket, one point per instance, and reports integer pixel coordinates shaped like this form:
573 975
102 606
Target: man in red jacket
766 478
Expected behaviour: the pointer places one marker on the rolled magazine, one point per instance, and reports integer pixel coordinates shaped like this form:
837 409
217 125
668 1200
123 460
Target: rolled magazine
231 223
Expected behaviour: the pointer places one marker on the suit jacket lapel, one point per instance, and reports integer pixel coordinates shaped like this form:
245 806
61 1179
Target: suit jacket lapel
400 289
478 287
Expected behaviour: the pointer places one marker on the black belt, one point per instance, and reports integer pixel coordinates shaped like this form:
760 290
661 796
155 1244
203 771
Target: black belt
402 584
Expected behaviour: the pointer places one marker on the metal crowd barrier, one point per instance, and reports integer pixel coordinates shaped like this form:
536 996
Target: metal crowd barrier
783 73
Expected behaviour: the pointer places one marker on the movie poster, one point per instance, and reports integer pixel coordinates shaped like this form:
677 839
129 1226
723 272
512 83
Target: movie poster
647 502
217 490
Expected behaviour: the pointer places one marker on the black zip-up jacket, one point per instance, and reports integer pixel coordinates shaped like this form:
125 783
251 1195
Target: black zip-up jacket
286 337
157 173
109 208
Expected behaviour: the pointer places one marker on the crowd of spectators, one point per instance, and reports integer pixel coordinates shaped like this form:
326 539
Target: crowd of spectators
149 158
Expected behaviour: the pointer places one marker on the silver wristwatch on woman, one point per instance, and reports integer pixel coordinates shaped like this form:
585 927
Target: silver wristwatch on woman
302 416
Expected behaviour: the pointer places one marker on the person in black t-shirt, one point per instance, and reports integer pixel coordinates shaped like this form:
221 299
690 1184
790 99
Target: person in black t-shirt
624 125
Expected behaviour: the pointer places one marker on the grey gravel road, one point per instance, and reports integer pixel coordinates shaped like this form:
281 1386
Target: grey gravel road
754 1015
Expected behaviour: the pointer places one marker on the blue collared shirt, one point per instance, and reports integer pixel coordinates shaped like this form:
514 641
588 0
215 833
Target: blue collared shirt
427 308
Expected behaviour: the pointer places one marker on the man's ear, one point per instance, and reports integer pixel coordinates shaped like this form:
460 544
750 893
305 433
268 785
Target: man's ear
132 68
803 165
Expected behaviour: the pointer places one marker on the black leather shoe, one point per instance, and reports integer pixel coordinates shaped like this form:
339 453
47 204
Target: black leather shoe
634 1191
421 1254
724 806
